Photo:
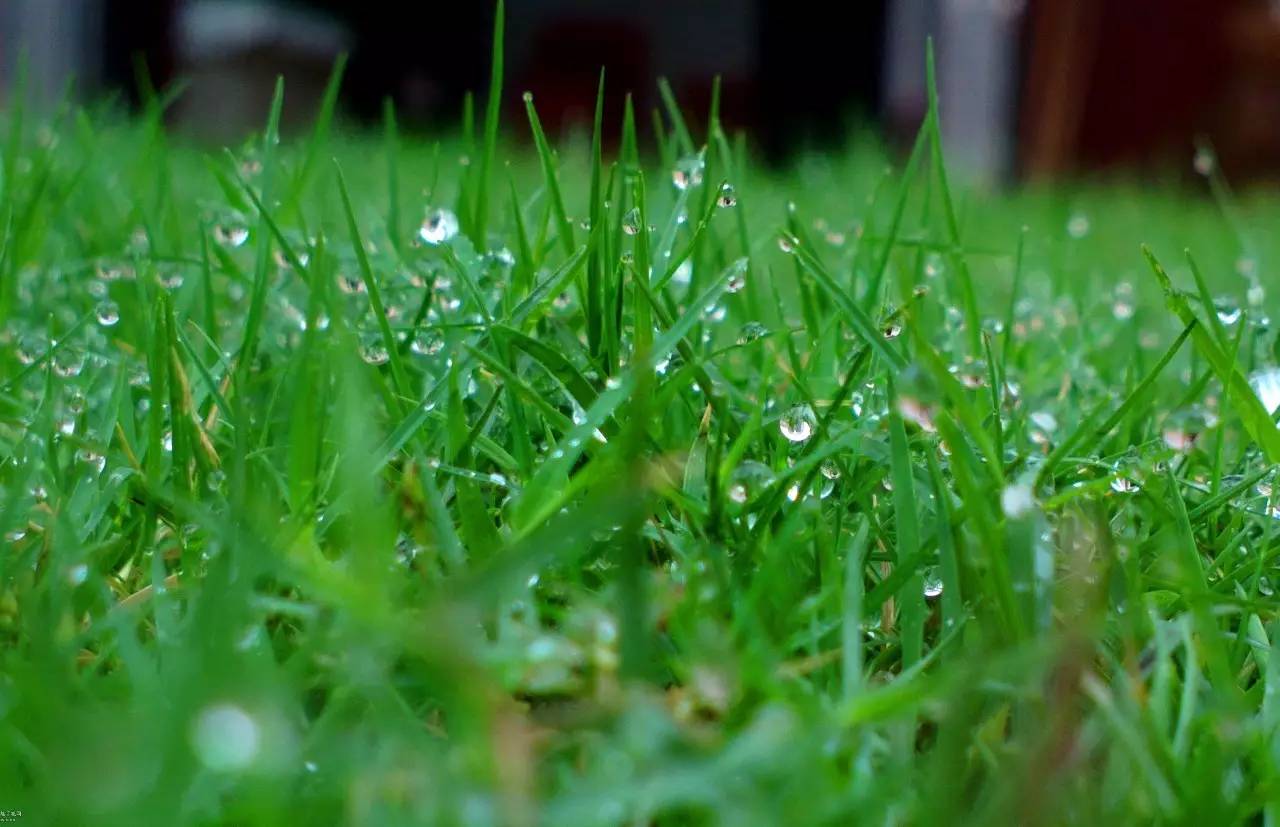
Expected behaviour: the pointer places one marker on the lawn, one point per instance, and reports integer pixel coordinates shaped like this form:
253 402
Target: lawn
364 478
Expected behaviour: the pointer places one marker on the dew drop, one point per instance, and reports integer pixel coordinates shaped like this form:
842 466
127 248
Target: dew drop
225 737
231 234
798 423
1078 225
68 362
1266 384
727 198
439 226
1204 162
736 274
932 582
107 313
1016 500
631 221
750 332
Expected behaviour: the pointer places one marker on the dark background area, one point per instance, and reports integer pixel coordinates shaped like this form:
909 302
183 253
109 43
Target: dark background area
1036 88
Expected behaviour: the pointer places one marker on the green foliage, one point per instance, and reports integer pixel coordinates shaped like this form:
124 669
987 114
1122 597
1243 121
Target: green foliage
365 492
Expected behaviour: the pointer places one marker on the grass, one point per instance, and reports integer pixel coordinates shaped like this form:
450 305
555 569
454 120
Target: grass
609 495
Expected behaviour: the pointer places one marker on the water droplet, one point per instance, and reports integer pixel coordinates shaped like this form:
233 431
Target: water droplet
1078 225
29 349
439 226
1178 438
93 459
1266 384
892 330
916 411
688 173
829 469
787 244
68 362
170 280
1123 485
426 344
1044 421
932 582
77 574
107 313
231 234
748 480
798 424
736 276
1227 309
631 221
1016 500
750 332
225 737
1204 162
1256 294
684 273
727 197
374 352
855 403
933 265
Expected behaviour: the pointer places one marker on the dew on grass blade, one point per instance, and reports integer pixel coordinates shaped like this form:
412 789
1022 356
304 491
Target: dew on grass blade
798 423
107 313
1017 500
631 221
1204 162
230 234
1266 385
225 737
1227 310
892 330
750 332
688 172
68 362
932 582
1078 225
727 197
1123 485
91 458
736 276
748 480
439 226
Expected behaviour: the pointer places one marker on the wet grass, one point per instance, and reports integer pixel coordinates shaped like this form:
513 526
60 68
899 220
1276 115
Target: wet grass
491 482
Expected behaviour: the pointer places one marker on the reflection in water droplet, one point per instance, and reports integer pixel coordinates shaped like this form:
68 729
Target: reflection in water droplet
631 221
107 313
798 424
1266 384
932 582
225 737
439 226
231 234
1016 500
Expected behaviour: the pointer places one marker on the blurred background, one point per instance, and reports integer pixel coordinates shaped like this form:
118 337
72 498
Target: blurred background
1029 88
